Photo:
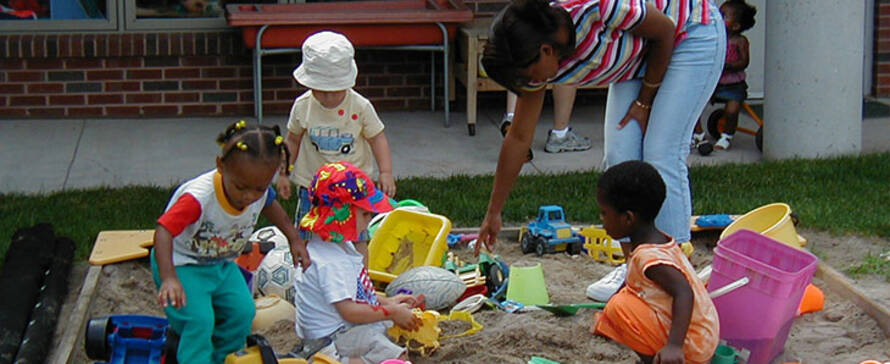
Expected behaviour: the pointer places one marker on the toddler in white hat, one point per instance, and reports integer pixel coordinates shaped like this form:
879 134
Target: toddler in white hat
331 122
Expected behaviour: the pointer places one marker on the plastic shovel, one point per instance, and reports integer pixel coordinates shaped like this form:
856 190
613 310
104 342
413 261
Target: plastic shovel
570 309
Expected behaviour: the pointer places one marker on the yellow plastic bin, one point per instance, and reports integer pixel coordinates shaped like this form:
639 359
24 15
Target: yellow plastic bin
773 220
407 239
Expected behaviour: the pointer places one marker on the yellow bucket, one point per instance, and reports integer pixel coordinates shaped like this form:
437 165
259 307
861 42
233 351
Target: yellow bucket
407 239
773 220
526 285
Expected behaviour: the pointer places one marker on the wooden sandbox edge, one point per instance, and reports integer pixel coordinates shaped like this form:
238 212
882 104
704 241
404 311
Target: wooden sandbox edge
75 325
839 283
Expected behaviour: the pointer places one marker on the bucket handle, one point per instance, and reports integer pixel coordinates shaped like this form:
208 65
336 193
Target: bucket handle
729 287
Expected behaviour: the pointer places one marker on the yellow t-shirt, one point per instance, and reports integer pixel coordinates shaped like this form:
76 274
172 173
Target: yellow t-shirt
336 134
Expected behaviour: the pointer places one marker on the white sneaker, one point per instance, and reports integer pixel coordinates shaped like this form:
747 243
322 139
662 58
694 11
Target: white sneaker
724 142
604 288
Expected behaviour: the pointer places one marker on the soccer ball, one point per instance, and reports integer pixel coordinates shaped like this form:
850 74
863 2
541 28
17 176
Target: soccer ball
276 274
269 234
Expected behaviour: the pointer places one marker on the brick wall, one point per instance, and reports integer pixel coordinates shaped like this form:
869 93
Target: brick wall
177 74
881 81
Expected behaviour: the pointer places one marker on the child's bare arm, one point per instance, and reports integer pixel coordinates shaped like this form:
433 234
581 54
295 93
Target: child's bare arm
293 145
674 282
171 291
359 313
276 215
380 148
741 43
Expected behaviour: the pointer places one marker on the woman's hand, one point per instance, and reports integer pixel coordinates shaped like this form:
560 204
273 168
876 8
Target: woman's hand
283 187
639 112
171 293
669 354
403 316
387 184
488 232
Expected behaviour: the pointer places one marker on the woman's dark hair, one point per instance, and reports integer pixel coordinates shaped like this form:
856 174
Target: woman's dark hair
517 33
633 186
745 13
260 142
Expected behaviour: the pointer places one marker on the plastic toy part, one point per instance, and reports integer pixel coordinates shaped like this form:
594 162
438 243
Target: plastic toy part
527 286
132 339
425 340
813 300
601 247
461 316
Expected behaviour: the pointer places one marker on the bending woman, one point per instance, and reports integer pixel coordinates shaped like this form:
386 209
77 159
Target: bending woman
661 63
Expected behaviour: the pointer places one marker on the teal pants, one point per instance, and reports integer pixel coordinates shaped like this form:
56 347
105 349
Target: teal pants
217 315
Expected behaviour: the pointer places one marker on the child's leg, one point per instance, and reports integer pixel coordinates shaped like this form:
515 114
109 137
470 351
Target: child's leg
629 320
731 116
234 310
369 343
194 321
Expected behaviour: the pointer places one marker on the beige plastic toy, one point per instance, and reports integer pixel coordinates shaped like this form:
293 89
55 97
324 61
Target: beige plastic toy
426 339
601 247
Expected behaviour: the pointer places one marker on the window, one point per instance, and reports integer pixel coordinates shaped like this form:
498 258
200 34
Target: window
175 14
58 15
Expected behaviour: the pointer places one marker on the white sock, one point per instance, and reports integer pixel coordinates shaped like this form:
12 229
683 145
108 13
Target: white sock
508 116
560 133
699 136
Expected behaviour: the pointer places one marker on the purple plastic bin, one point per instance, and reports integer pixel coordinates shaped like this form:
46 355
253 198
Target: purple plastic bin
759 315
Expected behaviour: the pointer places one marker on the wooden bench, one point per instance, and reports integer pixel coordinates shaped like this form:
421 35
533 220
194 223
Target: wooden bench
391 24
471 41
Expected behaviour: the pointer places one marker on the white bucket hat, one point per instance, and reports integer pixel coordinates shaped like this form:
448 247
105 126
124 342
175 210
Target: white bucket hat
328 63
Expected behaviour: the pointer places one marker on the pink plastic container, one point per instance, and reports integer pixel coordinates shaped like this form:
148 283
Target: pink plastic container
759 315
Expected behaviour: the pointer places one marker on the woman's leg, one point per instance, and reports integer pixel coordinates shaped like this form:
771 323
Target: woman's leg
625 144
690 79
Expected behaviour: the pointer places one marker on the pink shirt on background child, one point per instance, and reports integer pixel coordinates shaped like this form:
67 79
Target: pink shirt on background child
733 53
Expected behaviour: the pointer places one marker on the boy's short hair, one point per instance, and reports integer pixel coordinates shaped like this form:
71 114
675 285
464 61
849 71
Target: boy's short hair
633 186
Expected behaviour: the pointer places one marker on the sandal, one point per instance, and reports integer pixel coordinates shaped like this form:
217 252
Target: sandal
724 142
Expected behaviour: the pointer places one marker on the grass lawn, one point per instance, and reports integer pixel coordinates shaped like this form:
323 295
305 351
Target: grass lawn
839 195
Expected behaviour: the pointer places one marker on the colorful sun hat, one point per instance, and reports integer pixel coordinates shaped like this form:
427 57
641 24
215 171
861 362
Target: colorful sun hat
336 189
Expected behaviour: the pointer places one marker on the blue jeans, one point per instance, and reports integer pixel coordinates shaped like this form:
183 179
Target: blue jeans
303 206
692 74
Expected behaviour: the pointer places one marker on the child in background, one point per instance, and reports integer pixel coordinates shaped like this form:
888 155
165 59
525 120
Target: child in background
204 228
663 312
335 297
332 122
732 88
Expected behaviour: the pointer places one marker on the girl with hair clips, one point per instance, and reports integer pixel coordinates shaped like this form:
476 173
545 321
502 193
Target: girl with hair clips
661 60
204 228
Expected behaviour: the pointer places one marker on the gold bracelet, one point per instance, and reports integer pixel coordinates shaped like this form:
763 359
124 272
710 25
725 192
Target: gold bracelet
642 105
649 84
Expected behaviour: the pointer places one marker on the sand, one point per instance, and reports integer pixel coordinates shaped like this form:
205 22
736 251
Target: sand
841 332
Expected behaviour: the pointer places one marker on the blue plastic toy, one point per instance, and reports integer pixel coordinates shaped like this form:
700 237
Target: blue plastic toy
126 339
550 233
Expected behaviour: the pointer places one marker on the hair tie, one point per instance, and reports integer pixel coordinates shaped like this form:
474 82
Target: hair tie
240 125
241 145
278 140
221 144
290 168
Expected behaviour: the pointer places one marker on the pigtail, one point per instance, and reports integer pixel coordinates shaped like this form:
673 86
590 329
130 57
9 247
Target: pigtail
283 149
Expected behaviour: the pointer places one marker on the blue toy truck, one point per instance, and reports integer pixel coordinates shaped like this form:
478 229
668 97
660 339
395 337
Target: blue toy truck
550 233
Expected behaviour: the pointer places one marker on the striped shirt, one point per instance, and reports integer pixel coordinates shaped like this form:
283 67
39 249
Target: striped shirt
605 49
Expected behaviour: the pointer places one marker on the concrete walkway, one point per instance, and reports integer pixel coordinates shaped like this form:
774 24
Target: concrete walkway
40 156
